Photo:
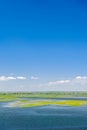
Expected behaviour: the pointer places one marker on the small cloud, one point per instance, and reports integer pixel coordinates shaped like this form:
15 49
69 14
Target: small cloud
58 82
34 78
78 77
81 77
21 78
7 78
4 78
81 80
11 78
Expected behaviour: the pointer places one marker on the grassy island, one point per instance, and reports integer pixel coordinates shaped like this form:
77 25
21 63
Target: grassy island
35 99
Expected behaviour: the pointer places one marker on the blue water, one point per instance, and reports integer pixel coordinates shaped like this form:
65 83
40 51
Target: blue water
43 118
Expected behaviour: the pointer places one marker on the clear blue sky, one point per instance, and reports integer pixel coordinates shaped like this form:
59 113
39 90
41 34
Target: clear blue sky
44 41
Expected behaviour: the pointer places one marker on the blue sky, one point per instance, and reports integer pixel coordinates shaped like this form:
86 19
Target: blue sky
43 45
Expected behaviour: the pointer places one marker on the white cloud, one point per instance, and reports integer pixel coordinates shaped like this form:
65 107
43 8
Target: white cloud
4 78
21 78
78 83
34 77
7 78
81 77
58 82
11 78
79 80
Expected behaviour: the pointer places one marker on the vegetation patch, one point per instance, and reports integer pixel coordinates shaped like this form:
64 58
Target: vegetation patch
43 99
45 95
36 103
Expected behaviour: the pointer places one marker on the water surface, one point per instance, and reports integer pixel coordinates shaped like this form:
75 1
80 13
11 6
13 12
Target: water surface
43 118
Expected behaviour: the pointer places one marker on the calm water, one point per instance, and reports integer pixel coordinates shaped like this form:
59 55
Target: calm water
43 118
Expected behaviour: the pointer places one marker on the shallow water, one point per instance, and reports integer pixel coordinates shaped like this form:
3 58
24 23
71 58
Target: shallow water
72 98
43 118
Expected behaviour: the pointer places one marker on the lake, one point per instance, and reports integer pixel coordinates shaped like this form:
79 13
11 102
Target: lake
50 117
